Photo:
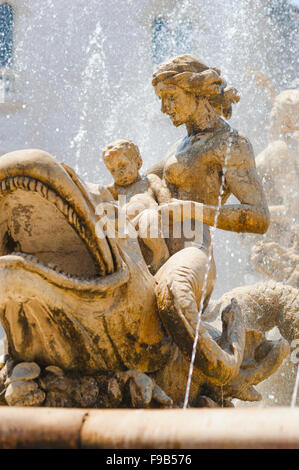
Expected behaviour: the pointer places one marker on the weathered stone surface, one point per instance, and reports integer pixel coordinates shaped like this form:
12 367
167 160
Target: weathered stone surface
55 370
66 390
114 392
85 392
99 309
206 402
24 393
23 371
57 399
53 382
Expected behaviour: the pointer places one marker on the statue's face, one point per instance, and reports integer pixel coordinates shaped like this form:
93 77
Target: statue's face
177 103
123 167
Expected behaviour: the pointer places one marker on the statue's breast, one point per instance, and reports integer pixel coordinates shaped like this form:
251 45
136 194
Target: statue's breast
195 170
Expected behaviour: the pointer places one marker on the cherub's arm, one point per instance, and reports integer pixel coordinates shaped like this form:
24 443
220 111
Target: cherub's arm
112 189
160 189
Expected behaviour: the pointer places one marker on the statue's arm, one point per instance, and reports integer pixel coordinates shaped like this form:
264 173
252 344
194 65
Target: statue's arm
160 190
252 214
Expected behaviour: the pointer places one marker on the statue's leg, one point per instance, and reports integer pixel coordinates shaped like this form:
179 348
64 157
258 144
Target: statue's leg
148 226
180 285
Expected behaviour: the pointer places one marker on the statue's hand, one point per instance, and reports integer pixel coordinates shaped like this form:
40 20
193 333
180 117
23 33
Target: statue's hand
143 390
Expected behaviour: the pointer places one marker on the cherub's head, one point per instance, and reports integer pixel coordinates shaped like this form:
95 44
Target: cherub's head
123 160
284 117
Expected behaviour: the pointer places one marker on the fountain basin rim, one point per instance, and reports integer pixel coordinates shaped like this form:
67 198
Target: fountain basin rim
241 428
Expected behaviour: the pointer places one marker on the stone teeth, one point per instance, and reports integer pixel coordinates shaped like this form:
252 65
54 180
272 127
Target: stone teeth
59 204
45 190
39 187
12 185
76 221
18 181
26 182
32 184
74 218
51 265
70 215
66 209
52 196
21 181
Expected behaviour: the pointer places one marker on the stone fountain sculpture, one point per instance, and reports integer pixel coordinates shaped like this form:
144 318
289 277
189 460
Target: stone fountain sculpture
275 256
87 324
277 166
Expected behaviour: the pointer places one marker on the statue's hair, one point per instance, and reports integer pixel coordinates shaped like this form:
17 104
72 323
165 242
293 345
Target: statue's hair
284 117
112 149
188 73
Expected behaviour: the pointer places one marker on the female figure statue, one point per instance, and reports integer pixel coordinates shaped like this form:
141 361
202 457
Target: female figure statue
212 162
195 95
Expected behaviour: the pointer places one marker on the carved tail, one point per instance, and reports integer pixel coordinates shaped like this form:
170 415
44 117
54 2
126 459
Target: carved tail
264 305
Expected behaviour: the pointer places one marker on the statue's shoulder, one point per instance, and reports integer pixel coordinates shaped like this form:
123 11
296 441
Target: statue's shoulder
235 150
241 141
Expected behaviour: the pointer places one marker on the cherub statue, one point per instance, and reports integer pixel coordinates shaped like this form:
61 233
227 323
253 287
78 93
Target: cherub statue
275 255
277 164
141 196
